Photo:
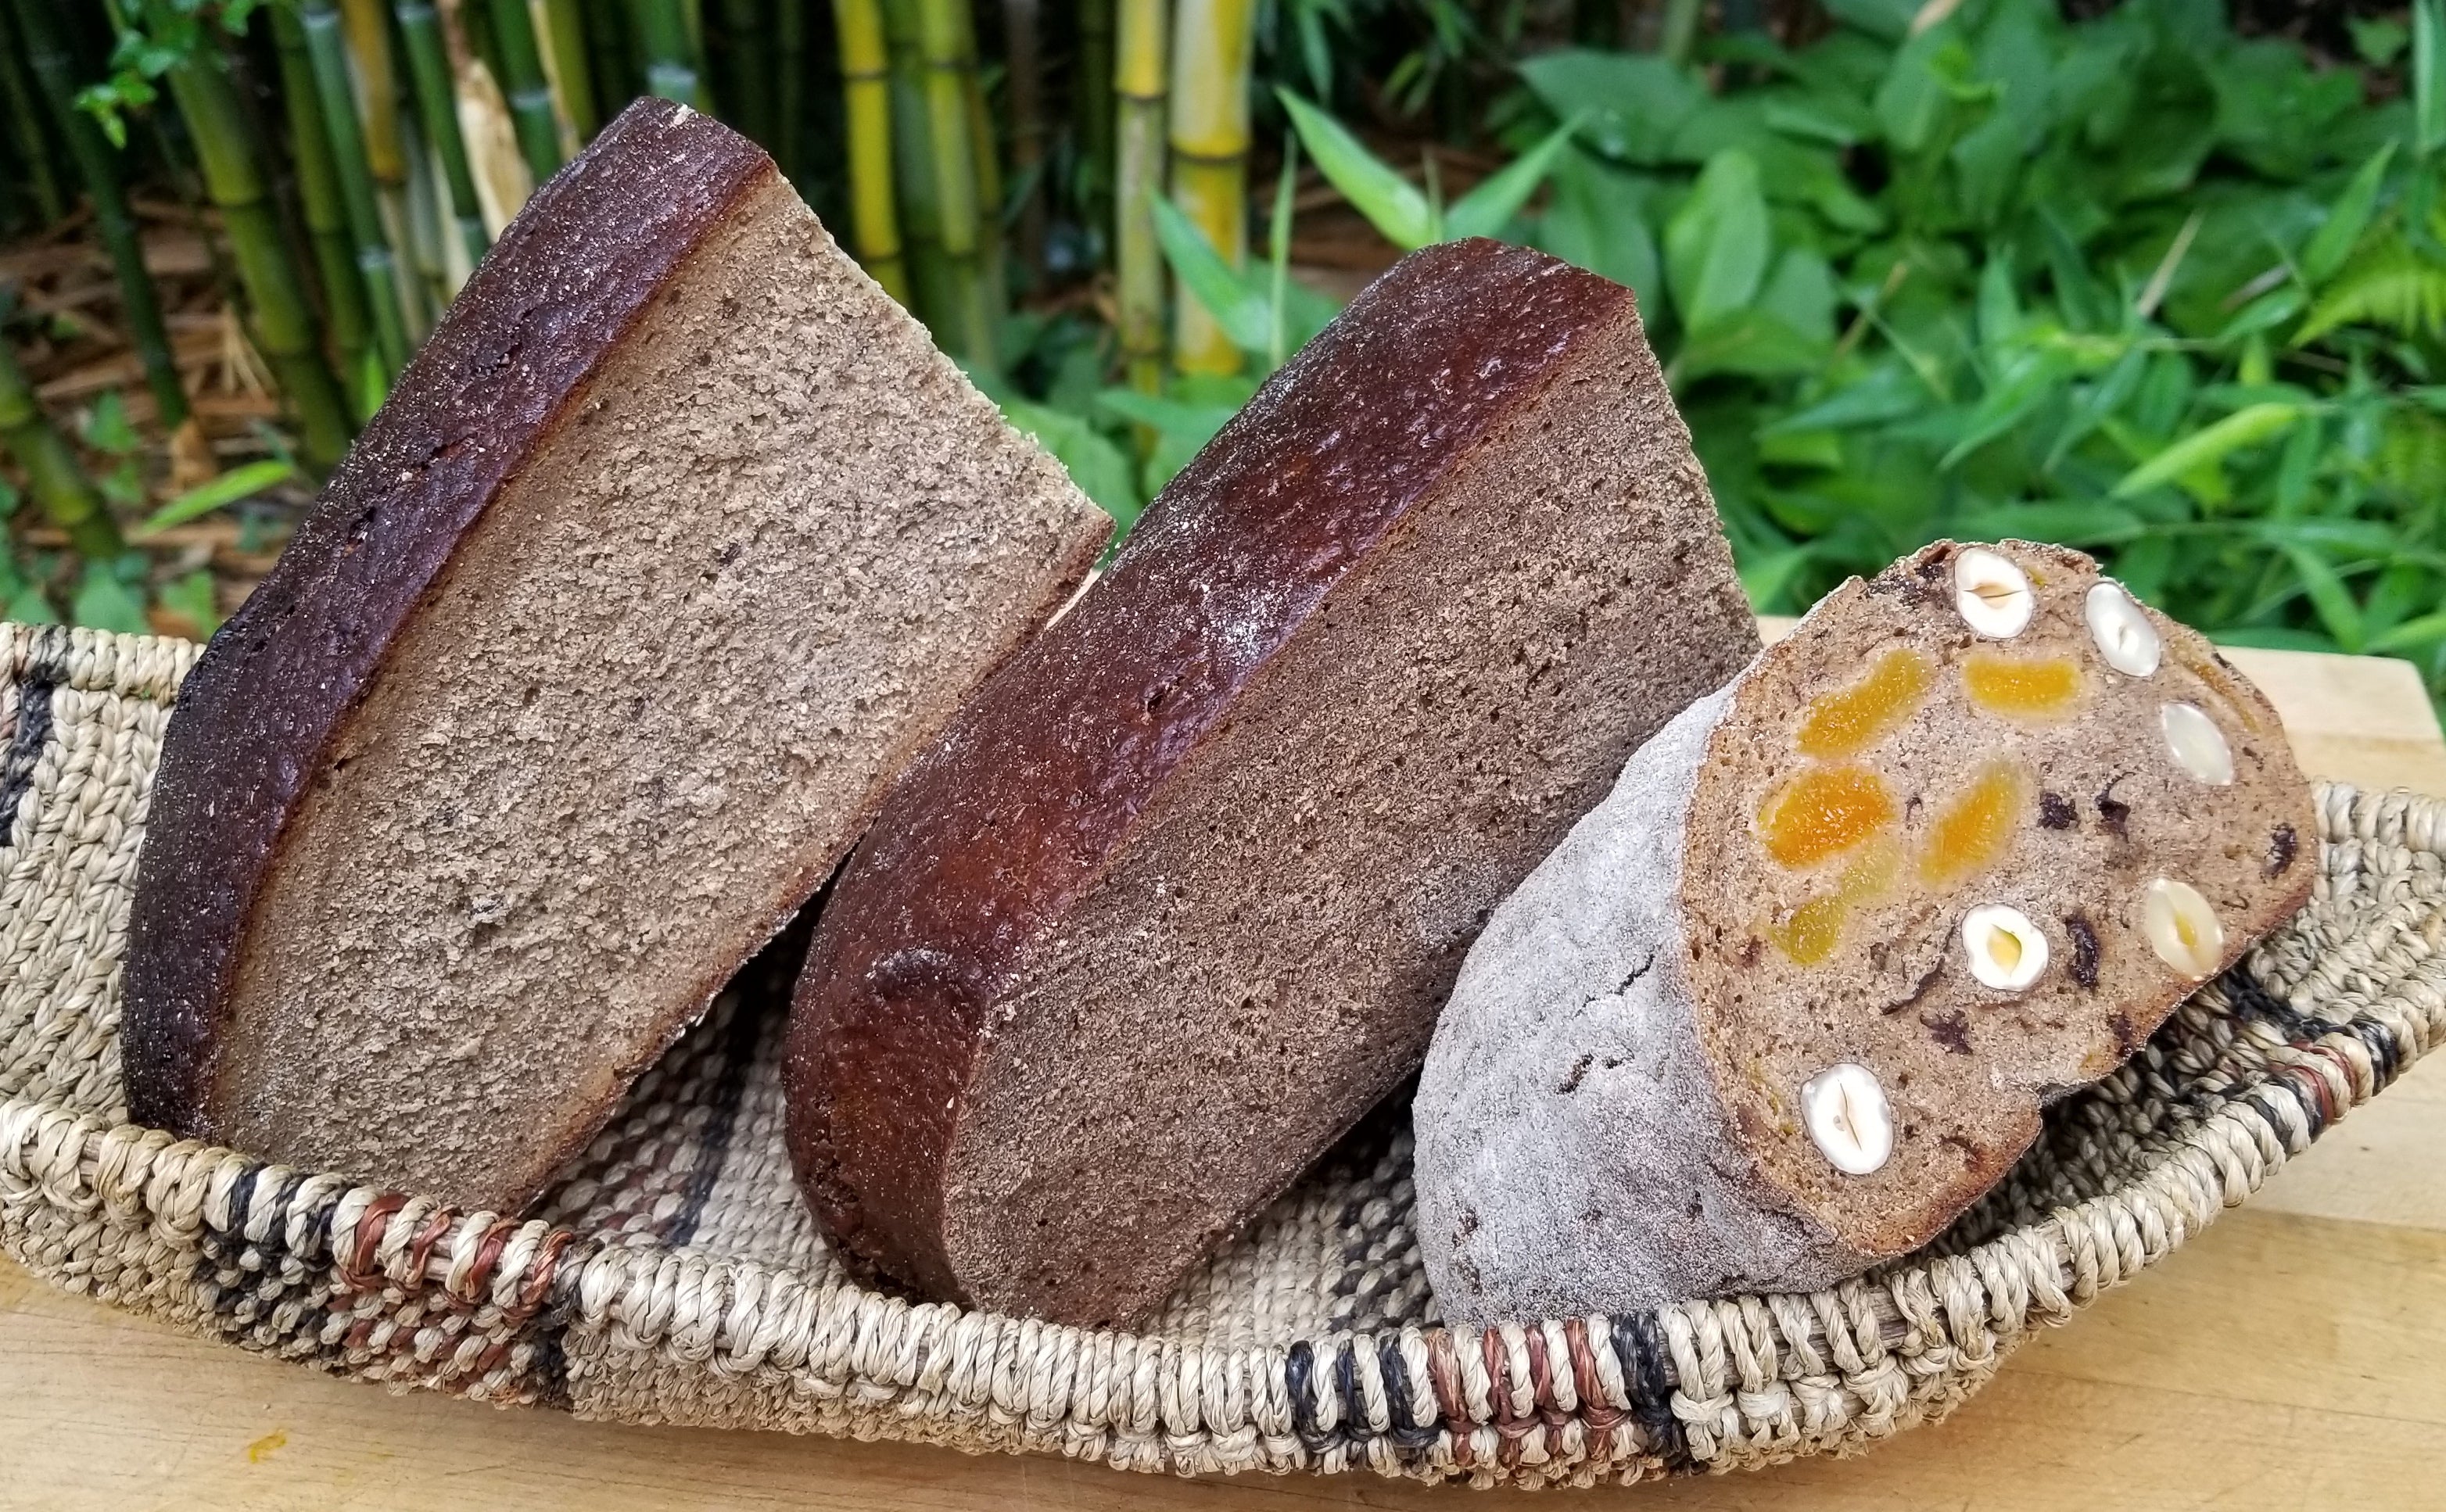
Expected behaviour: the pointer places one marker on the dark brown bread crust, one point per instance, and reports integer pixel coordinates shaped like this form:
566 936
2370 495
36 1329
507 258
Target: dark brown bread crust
984 841
567 281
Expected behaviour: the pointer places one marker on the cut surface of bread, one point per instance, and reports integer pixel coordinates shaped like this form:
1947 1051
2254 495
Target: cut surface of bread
674 544
1796 994
1175 900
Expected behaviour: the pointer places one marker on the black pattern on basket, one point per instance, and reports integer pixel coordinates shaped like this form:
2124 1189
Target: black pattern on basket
674 1277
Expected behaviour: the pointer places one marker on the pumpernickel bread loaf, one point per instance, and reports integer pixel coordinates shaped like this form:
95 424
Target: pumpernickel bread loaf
1795 995
1175 901
673 544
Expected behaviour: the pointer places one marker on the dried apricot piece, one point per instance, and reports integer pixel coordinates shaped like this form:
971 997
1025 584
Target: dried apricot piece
2023 687
1853 719
1823 813
1976 829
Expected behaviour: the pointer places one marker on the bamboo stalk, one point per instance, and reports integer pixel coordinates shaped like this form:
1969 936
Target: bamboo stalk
530 93
318 191
790 91
46 51
866 102
1023 78
52 473
428 66
1091 97
748 94
663 38
235 181
1680 31
608 43
1138 85
423 246
949 70
26 123
327 51
561 29
364 27
986 162
1213 44
931 286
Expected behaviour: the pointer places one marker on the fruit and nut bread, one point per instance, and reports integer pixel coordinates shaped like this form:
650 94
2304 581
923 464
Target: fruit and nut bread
1176 899
1795 995
677 541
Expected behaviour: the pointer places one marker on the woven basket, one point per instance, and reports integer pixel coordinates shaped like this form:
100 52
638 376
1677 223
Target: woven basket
674 1277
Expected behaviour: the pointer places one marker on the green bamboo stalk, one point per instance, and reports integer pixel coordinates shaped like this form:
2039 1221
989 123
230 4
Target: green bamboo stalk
423 246
327 51
530 94
26 123
790 91
54 71
428 66
364 28
608 43
560 28
663 38
866 102
968 327
747 98
1139 82
1091 97
318 193
235 181
53 473
1214 41
1024 79
986 162
934 291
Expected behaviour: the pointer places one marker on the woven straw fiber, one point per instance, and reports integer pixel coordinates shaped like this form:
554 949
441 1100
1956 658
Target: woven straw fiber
674 1277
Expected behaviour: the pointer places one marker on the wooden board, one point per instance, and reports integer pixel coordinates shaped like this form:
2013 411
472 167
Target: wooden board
2292 1356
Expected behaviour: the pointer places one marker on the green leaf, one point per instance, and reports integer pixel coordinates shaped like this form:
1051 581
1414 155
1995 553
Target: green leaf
372 386
106 428
1634 102
2329 596
2412 635
2428 75
1890 19
10 498
2209 445
1485 210
2379 40
1716 244
2392 285
2067 524
122 485
1887 393
1098 467
1391 203
1765 579
191 598
27 605
229 488
1244 312
2347 219
104 603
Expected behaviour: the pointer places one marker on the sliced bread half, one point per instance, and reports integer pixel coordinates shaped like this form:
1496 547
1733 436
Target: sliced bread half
1177 898
1795 995
677 541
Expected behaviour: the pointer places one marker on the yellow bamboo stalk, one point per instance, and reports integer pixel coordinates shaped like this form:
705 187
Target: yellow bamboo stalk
1213 44
866 102
1138 85
947 48
364 27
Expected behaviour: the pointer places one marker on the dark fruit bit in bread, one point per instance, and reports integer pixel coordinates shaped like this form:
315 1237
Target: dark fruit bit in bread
674 543
1175 900
1823 986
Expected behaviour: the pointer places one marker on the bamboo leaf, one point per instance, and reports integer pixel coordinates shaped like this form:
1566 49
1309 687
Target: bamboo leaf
1716 244
2209 445
2347 219
104 602
2328 595
2428 77
1391 203
106 428
2412 635
1484 210
1246 315
229 488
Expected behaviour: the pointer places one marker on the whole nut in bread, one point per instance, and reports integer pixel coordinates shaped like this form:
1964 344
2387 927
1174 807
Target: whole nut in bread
1795 995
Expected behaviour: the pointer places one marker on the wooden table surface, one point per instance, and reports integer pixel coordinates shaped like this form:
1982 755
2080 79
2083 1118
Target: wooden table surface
2293 1357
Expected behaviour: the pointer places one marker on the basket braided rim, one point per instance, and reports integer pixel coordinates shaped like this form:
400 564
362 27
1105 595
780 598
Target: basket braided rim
418 1295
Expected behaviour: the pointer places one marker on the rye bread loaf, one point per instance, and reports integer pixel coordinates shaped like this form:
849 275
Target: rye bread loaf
1175 901
1795 995
673 544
